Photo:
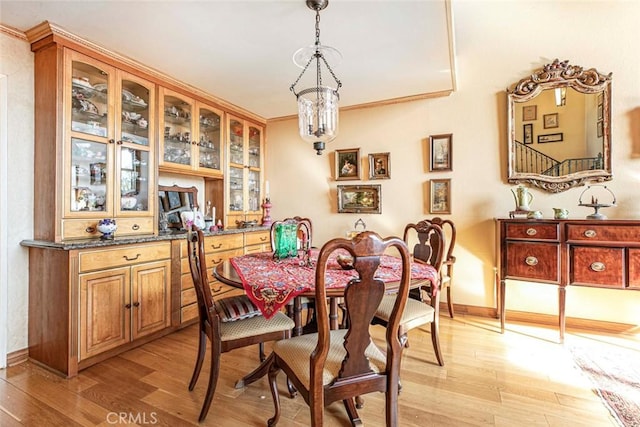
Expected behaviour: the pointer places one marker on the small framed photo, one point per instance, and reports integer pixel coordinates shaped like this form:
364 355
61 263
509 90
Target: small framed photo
440 152
529 113
600 130
440 195
348 164
379 166
527 133
551 137
550 120
359 199
600 112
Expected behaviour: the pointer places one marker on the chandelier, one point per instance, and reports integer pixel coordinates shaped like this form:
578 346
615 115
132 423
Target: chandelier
317 105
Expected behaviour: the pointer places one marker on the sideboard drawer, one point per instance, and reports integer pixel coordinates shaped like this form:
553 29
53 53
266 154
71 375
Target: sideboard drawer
123 255
603 233
216 243
532 231
596 266
537 261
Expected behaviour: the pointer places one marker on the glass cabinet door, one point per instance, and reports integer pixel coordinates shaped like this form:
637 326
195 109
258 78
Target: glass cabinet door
210 137
177 132
89 189
134 113
236 189
89 99
236 142
134 180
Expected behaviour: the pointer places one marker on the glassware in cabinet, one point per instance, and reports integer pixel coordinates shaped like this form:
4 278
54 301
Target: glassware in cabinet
90 84
209 140
134 180
176 130
136 124
88 187
236 189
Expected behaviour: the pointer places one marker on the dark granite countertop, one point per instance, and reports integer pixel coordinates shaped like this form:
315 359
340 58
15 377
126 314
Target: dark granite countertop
128 240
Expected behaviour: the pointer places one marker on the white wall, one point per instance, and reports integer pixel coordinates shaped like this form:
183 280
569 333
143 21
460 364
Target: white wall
16 62
498 43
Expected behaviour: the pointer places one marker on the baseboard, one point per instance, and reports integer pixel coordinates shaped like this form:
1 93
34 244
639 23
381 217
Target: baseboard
17 357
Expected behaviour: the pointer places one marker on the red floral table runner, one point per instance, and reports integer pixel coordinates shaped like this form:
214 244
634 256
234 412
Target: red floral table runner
272 284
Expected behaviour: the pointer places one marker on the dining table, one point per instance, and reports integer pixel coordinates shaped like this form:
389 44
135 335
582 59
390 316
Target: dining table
273 284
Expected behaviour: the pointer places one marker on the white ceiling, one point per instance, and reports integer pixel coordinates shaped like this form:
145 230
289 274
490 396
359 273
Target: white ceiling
241 51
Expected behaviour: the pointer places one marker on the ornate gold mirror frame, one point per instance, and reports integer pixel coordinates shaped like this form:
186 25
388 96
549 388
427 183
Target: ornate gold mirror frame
559 132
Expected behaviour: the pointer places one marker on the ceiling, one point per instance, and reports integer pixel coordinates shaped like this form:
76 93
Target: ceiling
241 51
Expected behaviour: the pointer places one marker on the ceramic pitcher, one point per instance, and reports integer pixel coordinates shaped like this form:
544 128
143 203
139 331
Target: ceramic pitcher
523 197
560 213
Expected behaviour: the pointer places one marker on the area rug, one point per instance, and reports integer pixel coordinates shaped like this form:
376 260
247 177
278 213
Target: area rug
615 374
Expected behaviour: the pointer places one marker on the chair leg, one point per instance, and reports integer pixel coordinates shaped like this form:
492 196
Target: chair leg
350 406
274 370
436 341
449 301
213 381
263 357
202 348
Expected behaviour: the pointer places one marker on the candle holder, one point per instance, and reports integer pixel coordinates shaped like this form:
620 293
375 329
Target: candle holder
266 218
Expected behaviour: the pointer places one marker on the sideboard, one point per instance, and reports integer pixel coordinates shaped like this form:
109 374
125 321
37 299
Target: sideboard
593 253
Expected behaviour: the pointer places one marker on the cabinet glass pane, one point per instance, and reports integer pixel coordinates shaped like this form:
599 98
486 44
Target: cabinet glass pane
89 92
134 180
177 131
254 190
89 175
236 188
254 147
236 142
135 113
209 143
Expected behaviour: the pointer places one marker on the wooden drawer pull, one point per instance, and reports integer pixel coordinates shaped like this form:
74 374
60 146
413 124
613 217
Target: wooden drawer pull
217 261
531 260
531 231
598 266
131 259
590 233
263 239
216 247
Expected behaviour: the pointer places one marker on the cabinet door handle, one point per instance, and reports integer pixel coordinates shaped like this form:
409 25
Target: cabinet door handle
590 233
135 227
216 247
531 231
131 259
136 304
127 306
119 142
217 261
531 260
112 141
263 239
90 229
597 266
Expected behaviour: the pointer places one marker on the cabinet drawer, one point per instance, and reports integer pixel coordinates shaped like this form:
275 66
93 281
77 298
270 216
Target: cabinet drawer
123 255
603 233
634 268
532 231
599 266
80 228
131 226
256 238
188 296
216 243
212 259
188 313
537 261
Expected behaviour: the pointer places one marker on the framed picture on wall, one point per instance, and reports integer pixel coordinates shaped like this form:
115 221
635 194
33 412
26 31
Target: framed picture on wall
379 166
359 199
440 196
527 133
440 147
348 164
550 120
529 113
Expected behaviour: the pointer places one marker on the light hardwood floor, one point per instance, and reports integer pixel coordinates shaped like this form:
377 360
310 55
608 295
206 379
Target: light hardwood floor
521 378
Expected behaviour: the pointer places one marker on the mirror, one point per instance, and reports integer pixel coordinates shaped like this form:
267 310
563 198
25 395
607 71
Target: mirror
559 127
172 200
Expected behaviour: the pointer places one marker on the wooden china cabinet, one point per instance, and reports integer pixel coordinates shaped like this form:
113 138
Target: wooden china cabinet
190 137
244 173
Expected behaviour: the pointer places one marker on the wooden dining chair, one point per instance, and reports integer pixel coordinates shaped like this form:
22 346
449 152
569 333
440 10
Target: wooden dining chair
338 365
418 312
446 272
227 323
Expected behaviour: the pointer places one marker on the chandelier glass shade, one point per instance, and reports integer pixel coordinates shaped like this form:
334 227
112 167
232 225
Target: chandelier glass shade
317 105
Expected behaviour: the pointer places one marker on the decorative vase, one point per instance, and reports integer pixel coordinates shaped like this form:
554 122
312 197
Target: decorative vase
523 198
107 227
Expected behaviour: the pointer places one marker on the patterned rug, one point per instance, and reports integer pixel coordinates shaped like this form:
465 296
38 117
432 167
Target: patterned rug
615 374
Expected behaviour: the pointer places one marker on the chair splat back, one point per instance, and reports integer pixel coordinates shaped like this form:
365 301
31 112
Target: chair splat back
198 267
430 246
